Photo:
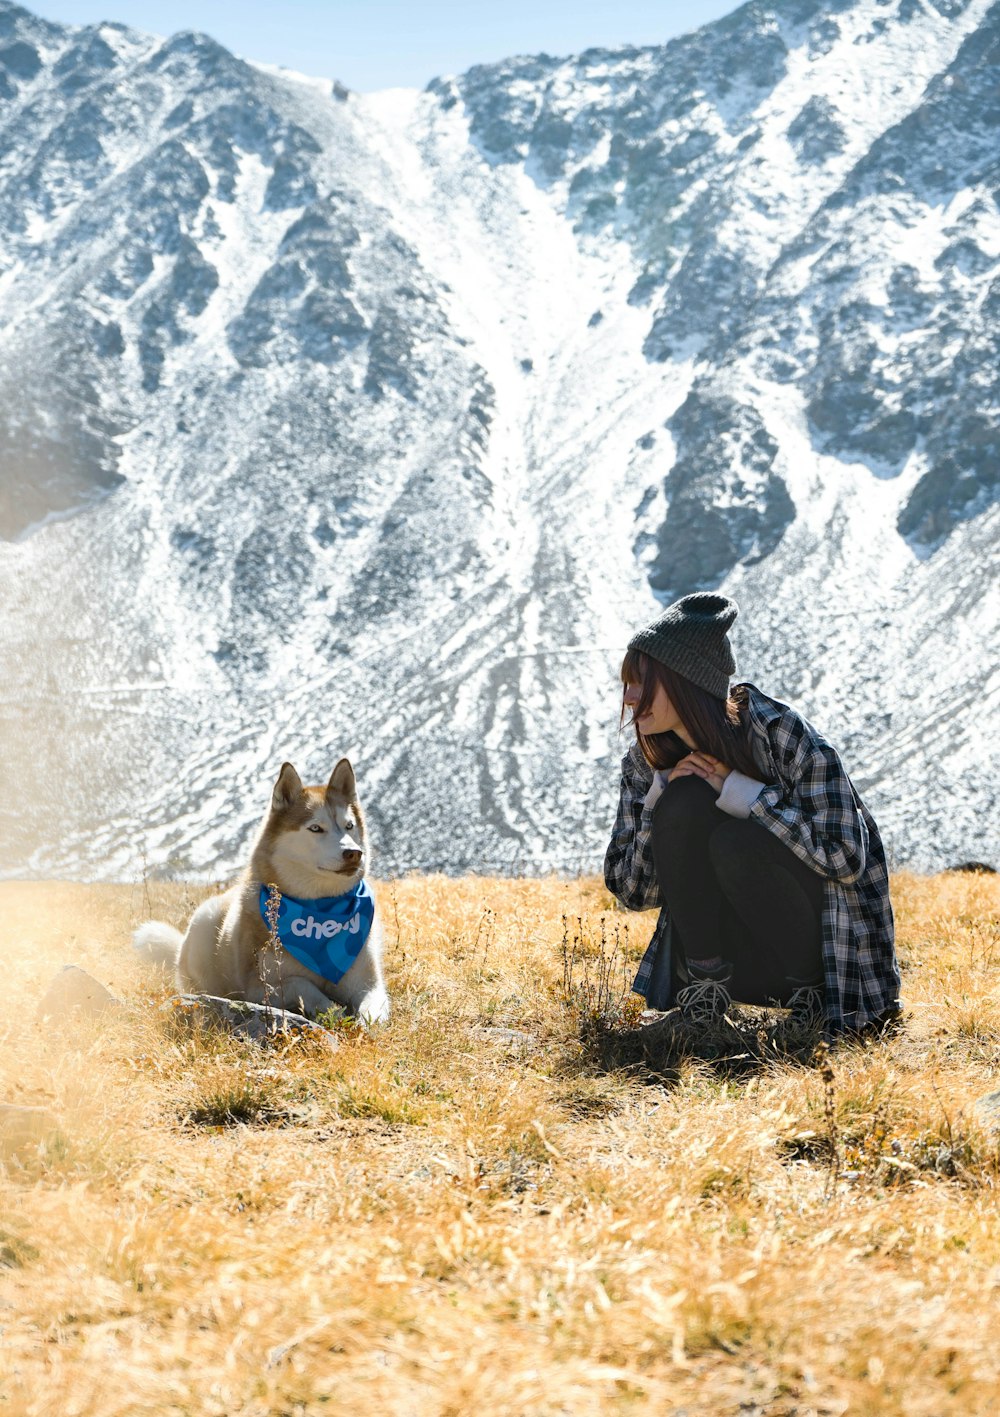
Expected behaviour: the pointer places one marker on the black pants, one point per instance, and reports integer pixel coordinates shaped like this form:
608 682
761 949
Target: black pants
733 889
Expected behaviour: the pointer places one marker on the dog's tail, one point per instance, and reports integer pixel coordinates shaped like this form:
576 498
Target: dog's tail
158 944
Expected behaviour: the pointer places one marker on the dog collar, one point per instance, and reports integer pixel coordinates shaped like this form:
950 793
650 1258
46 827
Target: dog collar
327 934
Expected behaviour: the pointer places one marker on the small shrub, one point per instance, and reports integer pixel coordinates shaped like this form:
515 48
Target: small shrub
234 1096
589 1097
597 976
337 1019
356 1101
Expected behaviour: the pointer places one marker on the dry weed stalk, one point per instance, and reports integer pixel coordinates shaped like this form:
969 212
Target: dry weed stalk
485 935
597 977
271 950
828 1080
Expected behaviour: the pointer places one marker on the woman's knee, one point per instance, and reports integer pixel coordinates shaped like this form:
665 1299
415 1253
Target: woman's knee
686 804
688 790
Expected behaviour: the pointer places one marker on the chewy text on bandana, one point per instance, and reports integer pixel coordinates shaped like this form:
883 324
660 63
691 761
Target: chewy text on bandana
326 934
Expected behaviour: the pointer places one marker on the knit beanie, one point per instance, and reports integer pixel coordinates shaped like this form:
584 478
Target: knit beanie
692 638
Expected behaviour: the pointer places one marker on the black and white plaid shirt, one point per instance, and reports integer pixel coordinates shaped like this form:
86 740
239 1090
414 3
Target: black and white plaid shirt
810 804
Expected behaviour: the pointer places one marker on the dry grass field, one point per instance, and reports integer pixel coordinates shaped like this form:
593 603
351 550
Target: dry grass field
499 1204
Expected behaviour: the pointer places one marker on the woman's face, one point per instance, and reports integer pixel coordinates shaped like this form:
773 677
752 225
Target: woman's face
661 716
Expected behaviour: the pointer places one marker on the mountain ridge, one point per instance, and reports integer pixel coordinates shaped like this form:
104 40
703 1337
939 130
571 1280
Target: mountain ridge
330 429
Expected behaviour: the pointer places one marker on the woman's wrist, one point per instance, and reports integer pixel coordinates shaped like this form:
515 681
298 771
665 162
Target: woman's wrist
739 793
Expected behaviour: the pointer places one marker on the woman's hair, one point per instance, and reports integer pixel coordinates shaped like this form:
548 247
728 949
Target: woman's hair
719 727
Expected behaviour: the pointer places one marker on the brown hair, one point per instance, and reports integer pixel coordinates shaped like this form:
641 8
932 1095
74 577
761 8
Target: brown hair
719 727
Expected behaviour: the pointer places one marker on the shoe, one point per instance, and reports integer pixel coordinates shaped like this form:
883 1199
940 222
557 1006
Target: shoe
705 1000
807 1005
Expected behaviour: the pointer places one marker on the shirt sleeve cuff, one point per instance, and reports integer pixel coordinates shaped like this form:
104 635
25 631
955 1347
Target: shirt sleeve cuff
738 794
655 791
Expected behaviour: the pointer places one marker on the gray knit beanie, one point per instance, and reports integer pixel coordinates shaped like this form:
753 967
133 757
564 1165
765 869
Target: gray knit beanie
692 638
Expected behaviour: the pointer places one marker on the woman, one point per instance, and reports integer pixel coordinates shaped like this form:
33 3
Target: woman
738 819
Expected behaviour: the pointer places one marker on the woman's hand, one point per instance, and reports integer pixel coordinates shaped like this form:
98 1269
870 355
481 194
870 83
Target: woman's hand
704 766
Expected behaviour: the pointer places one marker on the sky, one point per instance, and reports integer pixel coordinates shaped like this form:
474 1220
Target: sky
377 44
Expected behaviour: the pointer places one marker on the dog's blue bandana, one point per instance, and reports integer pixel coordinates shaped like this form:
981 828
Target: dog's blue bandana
325 935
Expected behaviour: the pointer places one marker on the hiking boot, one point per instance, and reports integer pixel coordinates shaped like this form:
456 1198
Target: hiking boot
706 999
807 1005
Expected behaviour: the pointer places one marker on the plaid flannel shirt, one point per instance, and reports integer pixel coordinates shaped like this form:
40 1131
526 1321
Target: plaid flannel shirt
810 804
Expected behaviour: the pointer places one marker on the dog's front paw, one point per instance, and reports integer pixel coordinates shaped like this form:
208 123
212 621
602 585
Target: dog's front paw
374 1008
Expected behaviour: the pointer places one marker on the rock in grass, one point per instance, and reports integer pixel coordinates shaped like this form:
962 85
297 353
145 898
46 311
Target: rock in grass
256 1021
74 991
988 1110
510 1037
24 1129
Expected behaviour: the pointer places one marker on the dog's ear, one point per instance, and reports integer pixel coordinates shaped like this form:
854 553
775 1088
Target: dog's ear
342 783
287 789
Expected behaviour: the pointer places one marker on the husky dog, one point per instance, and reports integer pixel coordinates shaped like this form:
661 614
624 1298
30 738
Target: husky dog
299 928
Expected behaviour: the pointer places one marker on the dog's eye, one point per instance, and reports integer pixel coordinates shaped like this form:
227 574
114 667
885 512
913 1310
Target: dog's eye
316 827
349 826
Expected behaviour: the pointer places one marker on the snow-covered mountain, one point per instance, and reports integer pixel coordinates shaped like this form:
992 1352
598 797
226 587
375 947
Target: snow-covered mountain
373 424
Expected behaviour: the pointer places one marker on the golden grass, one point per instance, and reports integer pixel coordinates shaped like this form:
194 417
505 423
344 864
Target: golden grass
448 1218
